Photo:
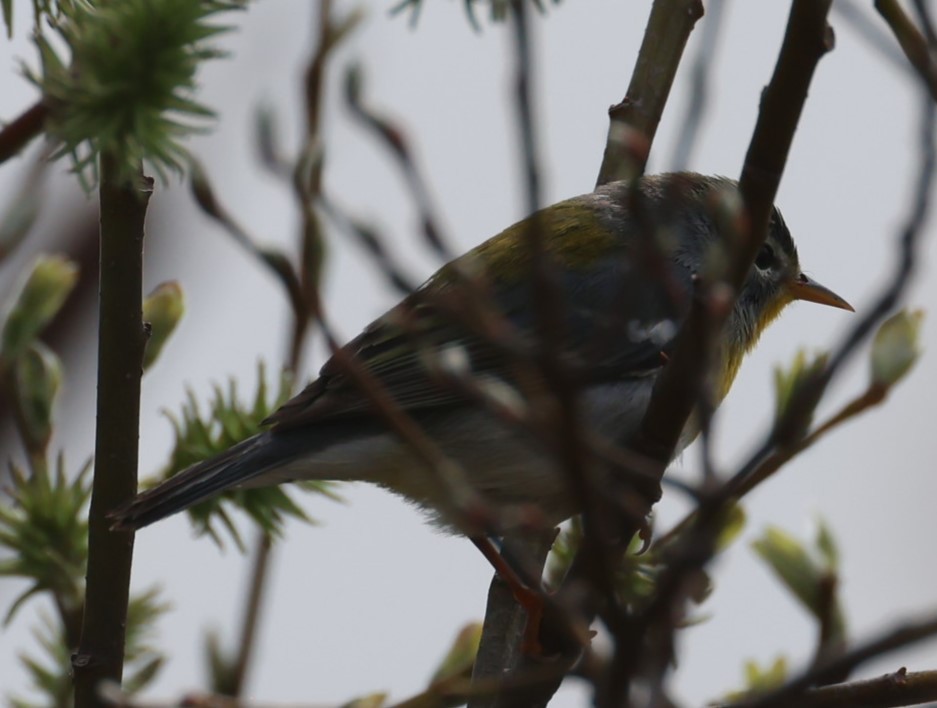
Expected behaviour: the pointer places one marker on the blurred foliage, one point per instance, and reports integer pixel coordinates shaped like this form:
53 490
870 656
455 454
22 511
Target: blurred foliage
810 574
759 679
50 677
47 286
460 658
227 423
802 372
143 660
45 531
372 700
51 674
639 570
222 666
447 687
126 87
37 378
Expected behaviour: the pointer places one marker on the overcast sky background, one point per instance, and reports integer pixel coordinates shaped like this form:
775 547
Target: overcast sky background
370 599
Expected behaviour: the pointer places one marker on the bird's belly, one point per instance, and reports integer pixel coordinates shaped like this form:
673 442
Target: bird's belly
517 473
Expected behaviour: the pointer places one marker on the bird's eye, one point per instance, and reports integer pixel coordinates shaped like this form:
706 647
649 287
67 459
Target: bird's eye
765 258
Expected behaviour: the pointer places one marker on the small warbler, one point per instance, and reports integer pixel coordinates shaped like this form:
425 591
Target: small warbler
619 264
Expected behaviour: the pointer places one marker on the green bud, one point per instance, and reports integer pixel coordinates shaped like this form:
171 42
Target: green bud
162 308
373 700
826 545
49 283
786 383
788 558
760 679
732 523
38 377
809 574
461 655
896 347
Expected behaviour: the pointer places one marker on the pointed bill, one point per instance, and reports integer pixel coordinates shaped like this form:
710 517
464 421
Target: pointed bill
805 288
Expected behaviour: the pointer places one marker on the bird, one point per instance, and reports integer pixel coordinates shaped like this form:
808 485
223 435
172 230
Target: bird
613 281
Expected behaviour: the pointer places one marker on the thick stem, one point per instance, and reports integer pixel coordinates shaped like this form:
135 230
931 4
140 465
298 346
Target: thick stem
121 340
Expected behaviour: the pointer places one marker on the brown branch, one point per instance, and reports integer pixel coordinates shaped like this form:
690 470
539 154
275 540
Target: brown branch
21 130
792 692
633 122
302 289
889 691
807 39
678 388
912 42
394 139
121 341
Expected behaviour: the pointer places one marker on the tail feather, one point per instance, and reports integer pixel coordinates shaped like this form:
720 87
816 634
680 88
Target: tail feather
234 467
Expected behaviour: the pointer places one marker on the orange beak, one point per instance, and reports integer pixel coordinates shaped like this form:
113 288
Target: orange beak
804 288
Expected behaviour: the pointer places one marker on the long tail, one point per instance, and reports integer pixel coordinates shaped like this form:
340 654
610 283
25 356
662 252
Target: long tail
239 464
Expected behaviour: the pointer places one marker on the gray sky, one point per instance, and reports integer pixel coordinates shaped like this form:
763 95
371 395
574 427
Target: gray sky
370 599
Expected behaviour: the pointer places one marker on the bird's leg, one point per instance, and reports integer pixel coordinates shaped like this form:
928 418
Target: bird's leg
531 599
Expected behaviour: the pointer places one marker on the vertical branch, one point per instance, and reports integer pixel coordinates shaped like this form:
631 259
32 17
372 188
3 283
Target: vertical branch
121 341
633 122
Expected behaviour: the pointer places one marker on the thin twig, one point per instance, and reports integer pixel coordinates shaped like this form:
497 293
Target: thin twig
856 16
699 85
762 466
302 290
633 122
912 42
793 691
252 612
392 136
676 390
901 688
